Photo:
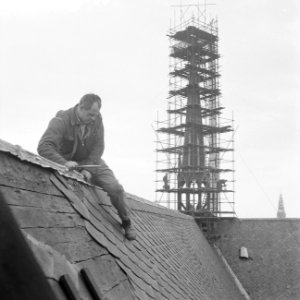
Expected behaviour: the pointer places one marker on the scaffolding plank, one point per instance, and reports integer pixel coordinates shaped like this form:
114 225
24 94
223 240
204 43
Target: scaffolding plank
194 191
192 31
195 168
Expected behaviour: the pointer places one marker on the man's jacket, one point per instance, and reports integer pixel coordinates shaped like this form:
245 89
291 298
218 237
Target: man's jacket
63 141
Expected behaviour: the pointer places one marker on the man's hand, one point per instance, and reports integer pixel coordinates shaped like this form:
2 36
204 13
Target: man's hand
71 164
87 175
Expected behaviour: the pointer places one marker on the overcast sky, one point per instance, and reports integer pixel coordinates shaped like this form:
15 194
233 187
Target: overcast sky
53 52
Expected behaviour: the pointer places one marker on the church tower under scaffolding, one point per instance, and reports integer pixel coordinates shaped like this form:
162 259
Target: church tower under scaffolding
195 144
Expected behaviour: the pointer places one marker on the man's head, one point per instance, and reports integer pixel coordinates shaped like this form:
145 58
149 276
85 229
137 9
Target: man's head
88 108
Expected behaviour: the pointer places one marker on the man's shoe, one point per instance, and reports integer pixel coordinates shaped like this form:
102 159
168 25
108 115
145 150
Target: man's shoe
130 233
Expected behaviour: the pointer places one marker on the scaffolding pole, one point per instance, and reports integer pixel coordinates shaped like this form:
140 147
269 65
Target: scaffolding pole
194 167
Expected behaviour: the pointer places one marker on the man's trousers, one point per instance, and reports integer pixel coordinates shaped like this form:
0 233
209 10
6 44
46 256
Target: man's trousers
104 177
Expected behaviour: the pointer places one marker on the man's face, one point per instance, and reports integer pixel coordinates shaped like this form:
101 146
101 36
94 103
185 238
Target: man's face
88 115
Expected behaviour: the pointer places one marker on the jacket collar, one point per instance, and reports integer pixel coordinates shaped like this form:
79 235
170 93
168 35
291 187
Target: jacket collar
74 118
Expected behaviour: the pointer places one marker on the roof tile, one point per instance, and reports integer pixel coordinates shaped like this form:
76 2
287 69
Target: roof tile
170 259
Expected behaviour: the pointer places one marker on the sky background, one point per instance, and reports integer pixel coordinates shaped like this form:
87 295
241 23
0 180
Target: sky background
53 52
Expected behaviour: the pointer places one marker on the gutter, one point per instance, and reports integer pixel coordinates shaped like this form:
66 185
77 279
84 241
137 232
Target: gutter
234 277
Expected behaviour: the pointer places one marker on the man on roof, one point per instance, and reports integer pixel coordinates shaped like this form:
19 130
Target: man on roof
75 137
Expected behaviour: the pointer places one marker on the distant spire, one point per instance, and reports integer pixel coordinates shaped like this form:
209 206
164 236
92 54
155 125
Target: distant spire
281 211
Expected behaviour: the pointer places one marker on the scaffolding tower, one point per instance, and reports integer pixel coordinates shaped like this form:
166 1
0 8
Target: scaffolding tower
195 161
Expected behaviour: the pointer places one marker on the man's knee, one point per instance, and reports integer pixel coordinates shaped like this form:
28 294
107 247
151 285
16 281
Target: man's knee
114 189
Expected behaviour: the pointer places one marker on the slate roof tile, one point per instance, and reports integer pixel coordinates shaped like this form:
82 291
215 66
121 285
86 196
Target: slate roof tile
165 262
138 281
121 291
105 272
102 240
139 293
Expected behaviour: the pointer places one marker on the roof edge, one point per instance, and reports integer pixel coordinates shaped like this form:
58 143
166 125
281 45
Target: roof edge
269 219
35 159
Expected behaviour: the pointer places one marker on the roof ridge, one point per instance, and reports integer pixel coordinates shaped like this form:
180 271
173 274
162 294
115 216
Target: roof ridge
154 207
35 159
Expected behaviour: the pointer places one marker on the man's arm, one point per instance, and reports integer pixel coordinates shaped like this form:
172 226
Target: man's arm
49 144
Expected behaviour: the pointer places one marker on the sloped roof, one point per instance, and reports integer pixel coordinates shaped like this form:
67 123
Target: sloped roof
273 268
71 225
